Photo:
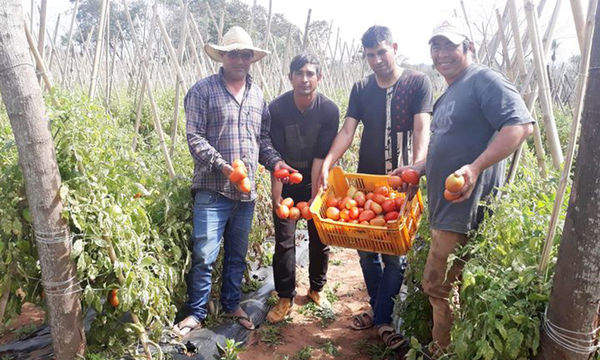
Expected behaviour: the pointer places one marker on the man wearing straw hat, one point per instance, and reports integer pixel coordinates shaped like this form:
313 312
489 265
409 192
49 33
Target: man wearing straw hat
394 105
479 121
227 119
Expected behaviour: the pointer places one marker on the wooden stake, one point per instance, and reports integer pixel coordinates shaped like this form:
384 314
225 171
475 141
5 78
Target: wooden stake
92 90
579 23
546 103
41 67
179 59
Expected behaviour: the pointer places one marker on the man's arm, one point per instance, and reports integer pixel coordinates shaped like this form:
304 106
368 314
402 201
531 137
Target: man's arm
204 154
314 175
508 140
276 188
341 143
421 125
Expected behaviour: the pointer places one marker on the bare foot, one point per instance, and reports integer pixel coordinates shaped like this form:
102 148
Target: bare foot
242 318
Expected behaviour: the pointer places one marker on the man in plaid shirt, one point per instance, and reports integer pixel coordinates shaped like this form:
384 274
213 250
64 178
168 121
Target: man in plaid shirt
227 119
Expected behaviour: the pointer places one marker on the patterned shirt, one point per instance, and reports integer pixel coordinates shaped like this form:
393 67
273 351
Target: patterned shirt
220 130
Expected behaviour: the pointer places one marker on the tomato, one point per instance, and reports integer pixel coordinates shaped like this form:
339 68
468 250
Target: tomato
306 213
301 205
454 183
295 214
377 222
351 204
296 178
345 214
238 174
411 176
368 204
351 192
391 216
113 299
238 163
448 196
245 185
378 198
366 215
399 201
333 213
289 202
364 223
342 204
281 173
360 198
383 190
369 196
332 202
395 182
388 205
354 212
283 212
376 208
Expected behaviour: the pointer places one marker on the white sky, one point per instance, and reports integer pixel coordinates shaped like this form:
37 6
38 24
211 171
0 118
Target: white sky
411 21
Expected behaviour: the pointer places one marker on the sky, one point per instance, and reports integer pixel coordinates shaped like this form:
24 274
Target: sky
411 22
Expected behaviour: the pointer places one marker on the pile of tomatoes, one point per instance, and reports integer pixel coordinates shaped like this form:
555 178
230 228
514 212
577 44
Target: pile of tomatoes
375 208
287 210
239 176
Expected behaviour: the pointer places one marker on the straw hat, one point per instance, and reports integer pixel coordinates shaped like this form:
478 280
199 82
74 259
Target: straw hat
451 31
235 38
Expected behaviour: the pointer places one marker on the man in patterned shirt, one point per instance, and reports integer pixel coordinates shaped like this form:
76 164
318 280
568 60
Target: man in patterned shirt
227 119
394 105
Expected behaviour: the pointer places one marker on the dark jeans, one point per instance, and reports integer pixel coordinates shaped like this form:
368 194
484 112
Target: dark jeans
383 275
284 259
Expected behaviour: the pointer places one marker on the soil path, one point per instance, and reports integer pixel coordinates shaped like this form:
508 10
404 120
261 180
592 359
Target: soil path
334 341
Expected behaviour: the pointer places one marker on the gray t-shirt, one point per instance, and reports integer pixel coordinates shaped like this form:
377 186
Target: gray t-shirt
465 119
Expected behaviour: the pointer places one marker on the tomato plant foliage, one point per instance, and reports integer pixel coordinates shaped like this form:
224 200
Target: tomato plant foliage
502 296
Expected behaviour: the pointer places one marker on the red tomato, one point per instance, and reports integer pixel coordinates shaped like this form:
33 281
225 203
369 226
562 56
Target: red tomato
245 185
289 202
295 214
333 213
301 205
369 196
283 212
306 213
391 216
383 190
281 173
296 178
395 182
388 205
345 214
411 176
378 198
360 198
354 212
399 201
377 222
454 183
332 202
448 196
238 174
366 215
376 208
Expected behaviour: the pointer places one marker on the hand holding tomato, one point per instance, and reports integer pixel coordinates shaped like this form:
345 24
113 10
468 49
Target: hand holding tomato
470 173
410 176
227 170
281 165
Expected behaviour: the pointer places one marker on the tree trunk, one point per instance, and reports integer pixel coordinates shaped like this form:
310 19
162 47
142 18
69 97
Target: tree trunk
22 98
575 300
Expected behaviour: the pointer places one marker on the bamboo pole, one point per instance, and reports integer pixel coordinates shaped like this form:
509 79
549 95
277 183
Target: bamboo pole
542 77
52 52
41 67
566 171
199 36
179 60
520 54
462 4
42 32
252 18
52 42
579 23
199 64
107 59
505 54
92 90
305 39
170 50
69 40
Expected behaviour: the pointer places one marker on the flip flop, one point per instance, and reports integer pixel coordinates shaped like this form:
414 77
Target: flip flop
186 329
362 321
390 337
244 317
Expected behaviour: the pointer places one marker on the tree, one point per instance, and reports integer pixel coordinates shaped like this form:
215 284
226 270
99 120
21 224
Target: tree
22 97
574 302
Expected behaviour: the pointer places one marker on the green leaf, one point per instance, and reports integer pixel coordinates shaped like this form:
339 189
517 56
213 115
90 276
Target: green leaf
77 249
64 191
502 330
513 342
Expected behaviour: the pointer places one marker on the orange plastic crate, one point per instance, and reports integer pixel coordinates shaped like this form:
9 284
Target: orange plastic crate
395 238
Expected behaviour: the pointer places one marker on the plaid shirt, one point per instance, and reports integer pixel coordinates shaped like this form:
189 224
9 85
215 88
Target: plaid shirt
220 130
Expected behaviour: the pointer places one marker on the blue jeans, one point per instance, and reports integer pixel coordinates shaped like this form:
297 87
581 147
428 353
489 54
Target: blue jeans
382 283
216 217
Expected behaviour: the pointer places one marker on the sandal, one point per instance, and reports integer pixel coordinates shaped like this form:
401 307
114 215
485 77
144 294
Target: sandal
390 337
362 321
243 319
186 325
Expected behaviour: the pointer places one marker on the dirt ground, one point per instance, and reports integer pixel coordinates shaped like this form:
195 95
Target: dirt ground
307 334
305 329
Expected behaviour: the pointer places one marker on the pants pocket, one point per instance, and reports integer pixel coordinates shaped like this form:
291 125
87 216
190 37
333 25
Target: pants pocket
205 198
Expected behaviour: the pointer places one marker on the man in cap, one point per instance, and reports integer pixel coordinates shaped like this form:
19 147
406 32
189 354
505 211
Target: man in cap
227 120
394 105
303 125
477 122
